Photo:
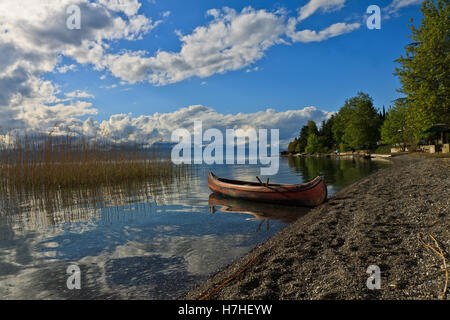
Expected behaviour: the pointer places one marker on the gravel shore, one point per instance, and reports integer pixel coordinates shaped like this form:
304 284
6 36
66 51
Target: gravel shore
375 221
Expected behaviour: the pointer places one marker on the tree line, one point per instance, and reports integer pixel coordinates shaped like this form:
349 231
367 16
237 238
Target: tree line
424 74
356 126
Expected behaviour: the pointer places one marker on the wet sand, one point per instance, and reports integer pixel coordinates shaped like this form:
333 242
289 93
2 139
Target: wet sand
375 221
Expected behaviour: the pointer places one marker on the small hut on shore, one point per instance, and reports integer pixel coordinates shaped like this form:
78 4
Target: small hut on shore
437 131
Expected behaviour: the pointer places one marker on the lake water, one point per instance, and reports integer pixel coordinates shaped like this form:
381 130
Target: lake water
147 240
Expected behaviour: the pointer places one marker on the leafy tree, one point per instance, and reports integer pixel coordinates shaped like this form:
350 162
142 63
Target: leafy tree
382 114
357 123
314 144
309 128
292 145
395 129
339 125
312 127
302 139
326 134
424 71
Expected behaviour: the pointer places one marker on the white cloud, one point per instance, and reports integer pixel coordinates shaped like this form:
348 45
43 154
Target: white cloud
334 30
252 69
33 36
65 68
231 41
42 118
159 126
396 5
109 87
129 7
79 94
324 5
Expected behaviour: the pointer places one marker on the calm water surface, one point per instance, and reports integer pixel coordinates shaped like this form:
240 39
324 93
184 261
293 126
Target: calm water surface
148 240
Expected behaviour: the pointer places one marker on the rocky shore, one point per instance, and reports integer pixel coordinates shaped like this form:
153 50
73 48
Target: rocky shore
375 221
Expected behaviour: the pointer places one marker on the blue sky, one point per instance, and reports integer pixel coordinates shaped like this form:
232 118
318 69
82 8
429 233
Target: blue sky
321 74
169 59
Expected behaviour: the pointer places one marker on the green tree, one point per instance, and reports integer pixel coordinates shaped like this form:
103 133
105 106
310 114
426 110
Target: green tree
357 124
339 125
326 134
309 128
302 140
314 144
395 129
312 127
292 145
298 148
424 71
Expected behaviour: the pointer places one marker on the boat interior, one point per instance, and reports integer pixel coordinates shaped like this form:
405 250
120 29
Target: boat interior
248 183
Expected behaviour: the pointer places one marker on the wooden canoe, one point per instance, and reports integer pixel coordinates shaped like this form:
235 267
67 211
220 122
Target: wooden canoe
308 194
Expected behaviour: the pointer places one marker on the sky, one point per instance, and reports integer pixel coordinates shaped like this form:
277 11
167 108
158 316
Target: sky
138 69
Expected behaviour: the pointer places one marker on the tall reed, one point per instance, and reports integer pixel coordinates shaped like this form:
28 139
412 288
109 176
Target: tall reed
51 162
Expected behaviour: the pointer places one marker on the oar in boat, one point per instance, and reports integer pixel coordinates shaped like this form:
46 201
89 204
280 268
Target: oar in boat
261 183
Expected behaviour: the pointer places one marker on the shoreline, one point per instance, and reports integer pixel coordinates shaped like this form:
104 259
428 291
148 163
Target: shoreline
356 154
325 254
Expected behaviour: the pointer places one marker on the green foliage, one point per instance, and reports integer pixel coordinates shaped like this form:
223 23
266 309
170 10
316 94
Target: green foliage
357 123
424 74
395 129
305 132
424 71
302 140
356 126
326 135
298 148
314 144
312 140
383 149
312 127
338 127
292 145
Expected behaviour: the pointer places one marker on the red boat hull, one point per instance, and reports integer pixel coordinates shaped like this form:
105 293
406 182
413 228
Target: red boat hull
309 194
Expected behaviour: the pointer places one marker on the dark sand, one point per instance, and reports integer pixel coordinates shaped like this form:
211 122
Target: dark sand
375 221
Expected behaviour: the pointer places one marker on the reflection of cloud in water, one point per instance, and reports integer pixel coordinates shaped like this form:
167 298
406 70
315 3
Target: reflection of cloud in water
165 229
164 267
169 260
200 252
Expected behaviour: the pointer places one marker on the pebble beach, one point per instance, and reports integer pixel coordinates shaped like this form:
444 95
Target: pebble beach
392 219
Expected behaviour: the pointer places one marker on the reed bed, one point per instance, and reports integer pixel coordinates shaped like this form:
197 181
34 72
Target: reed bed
41 208
53 162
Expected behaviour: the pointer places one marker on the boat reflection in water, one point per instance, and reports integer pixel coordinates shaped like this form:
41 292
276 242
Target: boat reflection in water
259 210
